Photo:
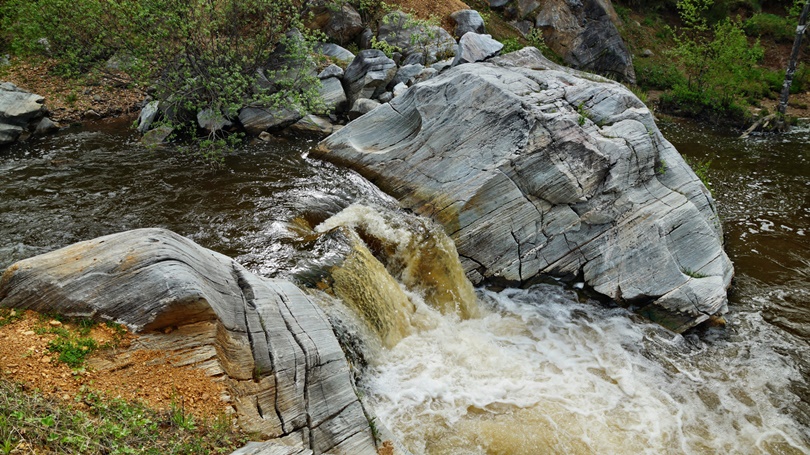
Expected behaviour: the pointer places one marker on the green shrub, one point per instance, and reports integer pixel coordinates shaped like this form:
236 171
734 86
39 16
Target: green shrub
655 75
197 54
778 27
511 45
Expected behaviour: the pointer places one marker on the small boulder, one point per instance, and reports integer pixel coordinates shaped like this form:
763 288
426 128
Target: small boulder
331 71
385 97
333 95
406 74
476 48
18 107
468 20
314 125
46 126
256 119
399 89
336 52
212 120
157 136
361 107
148 115
411 37
9 133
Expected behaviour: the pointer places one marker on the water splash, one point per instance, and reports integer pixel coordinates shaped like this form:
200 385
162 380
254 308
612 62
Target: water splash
540 372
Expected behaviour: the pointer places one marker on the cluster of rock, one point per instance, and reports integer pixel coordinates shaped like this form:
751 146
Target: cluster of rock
536 169
286 376
21 114
582 32
354 84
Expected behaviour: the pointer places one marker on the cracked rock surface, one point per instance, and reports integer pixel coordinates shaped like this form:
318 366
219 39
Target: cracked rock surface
536 169
285 371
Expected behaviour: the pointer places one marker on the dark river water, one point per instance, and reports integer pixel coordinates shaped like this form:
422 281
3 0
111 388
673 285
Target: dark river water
552 374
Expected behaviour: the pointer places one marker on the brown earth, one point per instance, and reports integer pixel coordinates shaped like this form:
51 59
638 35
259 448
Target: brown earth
146 376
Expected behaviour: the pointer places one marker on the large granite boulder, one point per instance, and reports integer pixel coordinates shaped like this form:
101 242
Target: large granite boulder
584 34
473 47
19 111
467 20
340 23
537 169
282 365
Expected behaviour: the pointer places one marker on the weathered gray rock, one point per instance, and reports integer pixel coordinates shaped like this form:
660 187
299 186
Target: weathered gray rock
282 365
336 52
148 115
333 96
18 107
256 119
157 136
468 20
385 97
9 133
368 75
586 37
341 24
407 75
524 27
362 106
527 7
399 89
331 71
212 121
473 47
46 126
443 65
498 3
314 125
432 42
535 169
426 74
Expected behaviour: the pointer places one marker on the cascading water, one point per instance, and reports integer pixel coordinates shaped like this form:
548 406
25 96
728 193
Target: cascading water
530 371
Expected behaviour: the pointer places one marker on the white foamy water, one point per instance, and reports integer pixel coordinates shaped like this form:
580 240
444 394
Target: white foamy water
540 373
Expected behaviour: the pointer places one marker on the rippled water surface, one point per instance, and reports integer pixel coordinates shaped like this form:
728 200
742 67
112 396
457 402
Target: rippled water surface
541 371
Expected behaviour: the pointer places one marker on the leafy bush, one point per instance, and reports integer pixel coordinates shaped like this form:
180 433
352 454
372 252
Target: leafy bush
197 54
778 27
511 45
655 75
718 63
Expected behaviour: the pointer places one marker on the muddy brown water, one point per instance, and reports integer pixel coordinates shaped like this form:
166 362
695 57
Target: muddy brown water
740 389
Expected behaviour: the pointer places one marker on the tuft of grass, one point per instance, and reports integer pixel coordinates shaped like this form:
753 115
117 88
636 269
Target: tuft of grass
692 273
29 422
701 169
9 316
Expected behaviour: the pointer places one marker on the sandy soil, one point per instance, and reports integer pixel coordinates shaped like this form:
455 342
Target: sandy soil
147 377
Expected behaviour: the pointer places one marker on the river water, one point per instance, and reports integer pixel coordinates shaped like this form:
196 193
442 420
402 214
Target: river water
541 370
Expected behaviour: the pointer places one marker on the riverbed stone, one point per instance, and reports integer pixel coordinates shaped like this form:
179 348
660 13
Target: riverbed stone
279 359
256 119
148 115
333 96
46 126
535 169
314 125
157 136
18 107
9 133
362 107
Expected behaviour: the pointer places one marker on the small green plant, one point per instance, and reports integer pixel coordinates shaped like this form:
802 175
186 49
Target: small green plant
536 39
662 168
179 417
583 114
9 316
692 273
701 169
72 350
388 49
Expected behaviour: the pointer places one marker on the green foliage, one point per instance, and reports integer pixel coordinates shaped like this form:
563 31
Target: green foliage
717 60
197 54
72 350
692 273
511 45
701 169
779 28
388 49
105 425
656 75
9 316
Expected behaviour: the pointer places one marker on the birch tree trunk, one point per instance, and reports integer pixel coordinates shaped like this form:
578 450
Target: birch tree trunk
794 55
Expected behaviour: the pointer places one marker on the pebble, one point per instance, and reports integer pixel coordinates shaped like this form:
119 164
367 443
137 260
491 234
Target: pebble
28 332
54 323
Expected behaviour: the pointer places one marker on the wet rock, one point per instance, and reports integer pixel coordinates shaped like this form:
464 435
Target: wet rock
368 75
281 363
256 119
212 121
536 169
157 136
468 20
9 133
314 125
46 126
148 115
476 48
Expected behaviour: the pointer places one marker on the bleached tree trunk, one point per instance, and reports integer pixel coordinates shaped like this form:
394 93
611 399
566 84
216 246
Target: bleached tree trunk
794 55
